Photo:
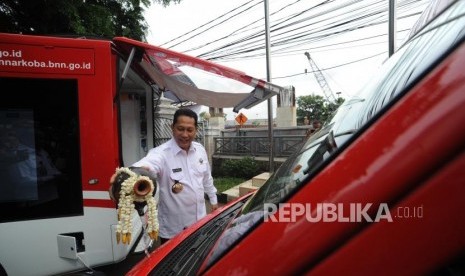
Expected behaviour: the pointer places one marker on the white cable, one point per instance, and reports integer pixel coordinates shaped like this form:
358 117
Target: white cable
145 239
84 263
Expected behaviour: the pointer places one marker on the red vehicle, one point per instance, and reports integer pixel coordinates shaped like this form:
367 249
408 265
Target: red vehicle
72 111
379 190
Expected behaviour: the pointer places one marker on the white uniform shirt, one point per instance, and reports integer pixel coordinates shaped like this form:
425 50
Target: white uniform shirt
171 163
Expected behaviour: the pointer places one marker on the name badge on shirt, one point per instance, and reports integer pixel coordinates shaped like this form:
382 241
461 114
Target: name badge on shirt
177 170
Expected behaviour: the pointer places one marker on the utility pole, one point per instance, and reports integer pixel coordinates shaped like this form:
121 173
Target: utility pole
268 78
392 27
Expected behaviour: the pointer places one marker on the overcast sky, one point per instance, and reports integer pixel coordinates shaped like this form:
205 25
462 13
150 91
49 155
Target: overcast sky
347 39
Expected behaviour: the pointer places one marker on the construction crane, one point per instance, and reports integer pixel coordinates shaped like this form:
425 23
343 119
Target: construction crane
321 80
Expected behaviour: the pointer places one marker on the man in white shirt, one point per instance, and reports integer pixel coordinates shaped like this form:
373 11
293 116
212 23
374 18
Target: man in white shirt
183 176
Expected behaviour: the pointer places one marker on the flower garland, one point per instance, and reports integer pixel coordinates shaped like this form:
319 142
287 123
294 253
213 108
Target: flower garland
126 207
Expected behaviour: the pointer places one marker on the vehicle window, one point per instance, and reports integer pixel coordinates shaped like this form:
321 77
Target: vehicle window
414 60
434 8
405 68
39 150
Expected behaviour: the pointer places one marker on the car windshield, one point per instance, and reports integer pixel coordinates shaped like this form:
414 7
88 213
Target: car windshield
396 76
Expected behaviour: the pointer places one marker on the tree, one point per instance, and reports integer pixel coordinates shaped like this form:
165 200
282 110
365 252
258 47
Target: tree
316 108
204 116
100 18
167 2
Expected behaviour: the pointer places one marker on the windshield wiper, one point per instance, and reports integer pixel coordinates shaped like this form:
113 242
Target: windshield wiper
187 257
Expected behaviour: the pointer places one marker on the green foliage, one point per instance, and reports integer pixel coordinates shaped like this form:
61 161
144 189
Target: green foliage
316 108
245 168
167 2
203 116
224 183
100 18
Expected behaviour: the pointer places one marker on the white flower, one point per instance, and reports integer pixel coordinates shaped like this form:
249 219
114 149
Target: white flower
126 207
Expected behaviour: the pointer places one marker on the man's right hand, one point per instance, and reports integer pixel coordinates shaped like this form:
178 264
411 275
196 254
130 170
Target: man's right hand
110 190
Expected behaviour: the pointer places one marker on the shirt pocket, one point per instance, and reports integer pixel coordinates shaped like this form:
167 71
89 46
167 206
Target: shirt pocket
200 169
176 176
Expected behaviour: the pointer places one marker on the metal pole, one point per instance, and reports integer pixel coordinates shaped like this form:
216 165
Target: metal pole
268 78
392 27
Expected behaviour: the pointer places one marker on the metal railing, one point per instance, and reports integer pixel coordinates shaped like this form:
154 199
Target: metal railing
284 146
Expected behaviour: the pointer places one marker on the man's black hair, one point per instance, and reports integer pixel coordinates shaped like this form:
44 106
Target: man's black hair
185 112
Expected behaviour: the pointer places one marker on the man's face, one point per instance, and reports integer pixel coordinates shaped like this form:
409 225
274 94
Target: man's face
184 131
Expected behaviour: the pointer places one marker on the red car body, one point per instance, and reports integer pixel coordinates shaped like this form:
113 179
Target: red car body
404 150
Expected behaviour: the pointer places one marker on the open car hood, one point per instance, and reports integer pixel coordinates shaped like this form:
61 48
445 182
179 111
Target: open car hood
185 78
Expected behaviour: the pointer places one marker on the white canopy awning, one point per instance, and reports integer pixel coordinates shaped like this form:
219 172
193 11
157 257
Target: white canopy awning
189 79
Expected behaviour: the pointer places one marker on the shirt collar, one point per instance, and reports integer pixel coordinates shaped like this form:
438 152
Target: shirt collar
175 149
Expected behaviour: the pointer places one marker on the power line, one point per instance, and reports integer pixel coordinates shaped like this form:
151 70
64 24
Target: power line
316 49
209 22
329 68
253 42
304 28
291 43
241 29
